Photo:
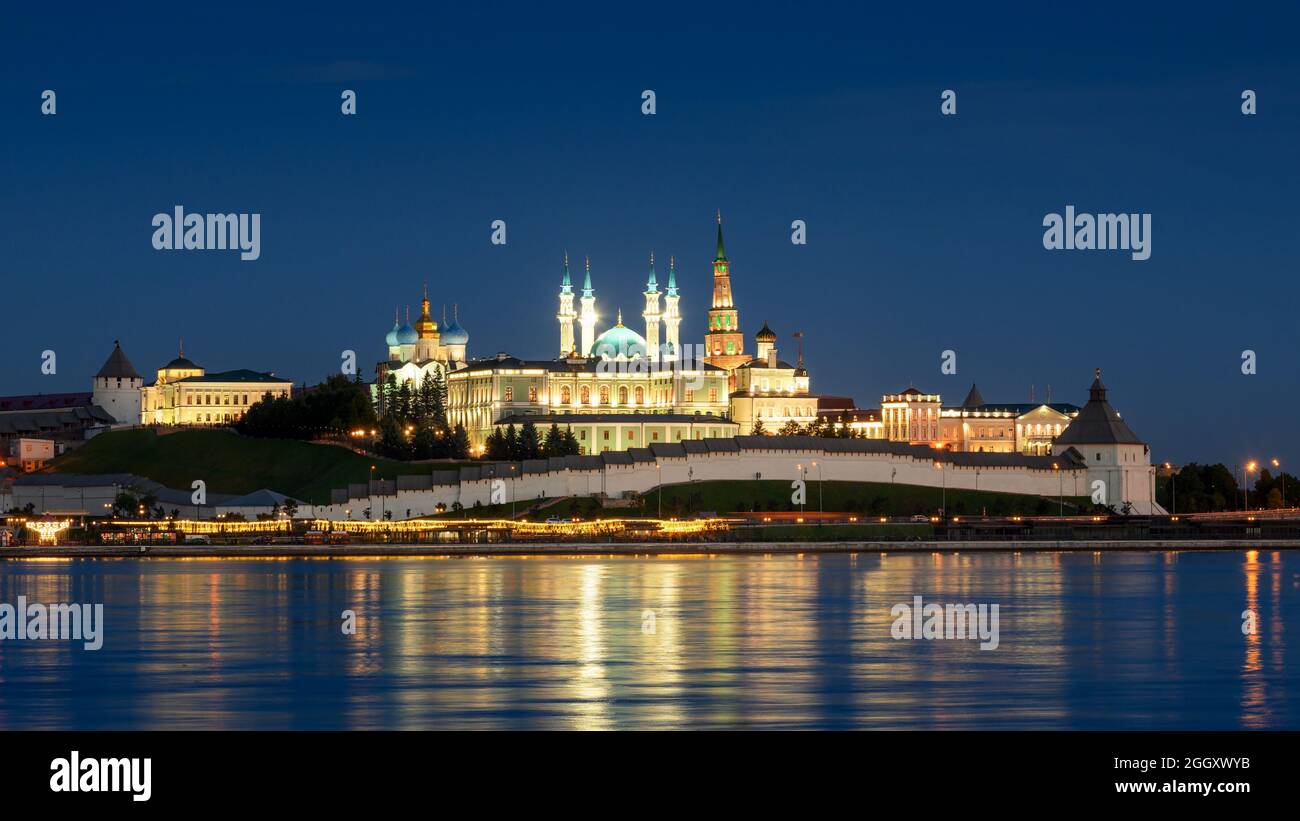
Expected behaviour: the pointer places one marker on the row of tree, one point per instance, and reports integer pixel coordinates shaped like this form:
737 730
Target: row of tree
332 409
1200 488
528 443
821 426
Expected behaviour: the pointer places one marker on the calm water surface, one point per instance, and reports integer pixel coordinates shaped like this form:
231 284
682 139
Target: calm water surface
1124 640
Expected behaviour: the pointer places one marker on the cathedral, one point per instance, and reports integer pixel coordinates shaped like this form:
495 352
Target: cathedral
425 349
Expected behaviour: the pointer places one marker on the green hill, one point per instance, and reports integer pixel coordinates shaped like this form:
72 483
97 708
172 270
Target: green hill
868 498
230 463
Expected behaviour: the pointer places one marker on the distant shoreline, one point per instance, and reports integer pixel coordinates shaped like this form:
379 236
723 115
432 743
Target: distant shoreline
628 549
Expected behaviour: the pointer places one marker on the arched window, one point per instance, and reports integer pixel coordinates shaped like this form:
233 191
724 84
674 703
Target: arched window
640 395
604 394
565 395
622 394
586 395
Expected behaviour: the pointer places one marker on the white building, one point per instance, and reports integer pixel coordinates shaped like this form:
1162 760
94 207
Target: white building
1113 453
117 388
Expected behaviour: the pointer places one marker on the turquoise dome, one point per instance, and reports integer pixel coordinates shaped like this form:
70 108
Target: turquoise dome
454 334
406 335
619 341
391 337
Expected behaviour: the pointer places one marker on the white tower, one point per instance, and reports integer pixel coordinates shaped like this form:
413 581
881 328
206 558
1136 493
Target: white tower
588 316
566 314
1119 463
672 318
651 313
117 388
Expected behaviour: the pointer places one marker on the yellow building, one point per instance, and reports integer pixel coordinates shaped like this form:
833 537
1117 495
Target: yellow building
185 394
770 391
483 392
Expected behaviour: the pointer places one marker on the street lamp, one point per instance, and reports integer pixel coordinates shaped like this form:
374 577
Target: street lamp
1173 488
1278 464
820 506
512 492
660 468
1060 488
1245 482
943 509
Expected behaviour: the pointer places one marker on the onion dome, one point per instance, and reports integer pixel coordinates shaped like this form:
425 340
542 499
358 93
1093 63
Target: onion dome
390 338
453 333
406 335
619 341
765 334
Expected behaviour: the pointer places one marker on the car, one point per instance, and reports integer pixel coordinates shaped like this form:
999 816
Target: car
920 518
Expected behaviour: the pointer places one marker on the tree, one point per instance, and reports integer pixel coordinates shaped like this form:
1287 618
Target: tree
426 444
512 443
438 408
790 428
290 508
427 399
458 447
496 446
392 442
529 446
759 430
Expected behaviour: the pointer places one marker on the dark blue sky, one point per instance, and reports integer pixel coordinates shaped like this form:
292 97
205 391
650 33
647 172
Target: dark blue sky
924 232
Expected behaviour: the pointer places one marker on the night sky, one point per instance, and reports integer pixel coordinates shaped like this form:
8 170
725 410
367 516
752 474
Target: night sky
924 231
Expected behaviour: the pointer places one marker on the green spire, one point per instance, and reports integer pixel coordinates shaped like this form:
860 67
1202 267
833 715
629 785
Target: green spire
722 252
566 287
652 286
672 276
586 283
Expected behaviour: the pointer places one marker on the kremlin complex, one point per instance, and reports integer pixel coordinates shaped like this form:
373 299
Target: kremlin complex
619 390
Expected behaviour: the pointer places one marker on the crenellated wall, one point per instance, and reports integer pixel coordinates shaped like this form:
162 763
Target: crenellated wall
742 458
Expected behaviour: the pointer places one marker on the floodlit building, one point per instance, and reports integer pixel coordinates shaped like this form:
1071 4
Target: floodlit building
184 393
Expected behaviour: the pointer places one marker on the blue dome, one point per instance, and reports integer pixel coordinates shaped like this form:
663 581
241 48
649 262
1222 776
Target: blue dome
406 335
391 337
454 334
619 341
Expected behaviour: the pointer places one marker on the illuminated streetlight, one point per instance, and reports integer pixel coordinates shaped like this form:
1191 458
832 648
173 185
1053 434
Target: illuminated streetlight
1173 487
1060 488
1278 464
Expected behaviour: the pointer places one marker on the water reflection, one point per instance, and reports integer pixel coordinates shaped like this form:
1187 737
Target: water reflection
1088 640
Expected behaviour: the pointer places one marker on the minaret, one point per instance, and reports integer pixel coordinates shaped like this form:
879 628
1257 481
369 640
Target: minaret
651 314
566 314
724 344
588 317
672 318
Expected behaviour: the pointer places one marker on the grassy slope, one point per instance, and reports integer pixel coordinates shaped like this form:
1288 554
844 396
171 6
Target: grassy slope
229 463
880 498
234 464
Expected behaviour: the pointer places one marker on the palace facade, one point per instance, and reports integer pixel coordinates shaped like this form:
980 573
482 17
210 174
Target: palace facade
184 393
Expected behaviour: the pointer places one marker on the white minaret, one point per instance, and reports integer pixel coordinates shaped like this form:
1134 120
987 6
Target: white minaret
117 388
651 313
588 317
566 314
672 318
